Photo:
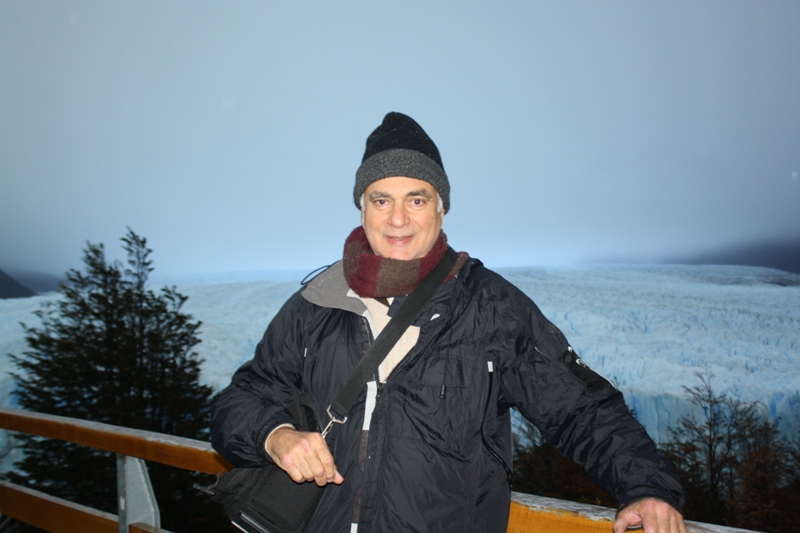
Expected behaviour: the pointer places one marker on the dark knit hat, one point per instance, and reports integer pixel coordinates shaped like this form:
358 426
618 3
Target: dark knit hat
400 147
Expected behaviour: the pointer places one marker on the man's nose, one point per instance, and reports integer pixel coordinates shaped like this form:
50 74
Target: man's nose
398 217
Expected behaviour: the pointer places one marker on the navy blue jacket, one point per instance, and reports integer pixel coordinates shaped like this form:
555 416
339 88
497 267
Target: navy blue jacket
424 465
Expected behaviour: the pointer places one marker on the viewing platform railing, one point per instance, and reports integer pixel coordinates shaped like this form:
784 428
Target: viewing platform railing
138 512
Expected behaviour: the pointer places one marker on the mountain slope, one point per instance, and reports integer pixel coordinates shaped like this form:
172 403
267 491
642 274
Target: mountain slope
10 288
782 255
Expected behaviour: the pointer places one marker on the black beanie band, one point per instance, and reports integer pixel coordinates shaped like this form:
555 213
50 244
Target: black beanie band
400 147
401 162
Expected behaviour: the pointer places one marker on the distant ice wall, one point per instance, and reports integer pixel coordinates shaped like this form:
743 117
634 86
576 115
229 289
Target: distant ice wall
648 329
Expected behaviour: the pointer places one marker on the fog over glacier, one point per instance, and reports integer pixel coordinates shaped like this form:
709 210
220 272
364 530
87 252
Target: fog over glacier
649 329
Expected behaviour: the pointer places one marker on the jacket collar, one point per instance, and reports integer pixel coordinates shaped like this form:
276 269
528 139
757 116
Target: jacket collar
330 289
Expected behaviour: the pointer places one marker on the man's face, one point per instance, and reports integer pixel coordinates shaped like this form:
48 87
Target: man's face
401 217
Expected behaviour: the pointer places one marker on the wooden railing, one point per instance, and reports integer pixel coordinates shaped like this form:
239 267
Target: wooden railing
528 514
60 516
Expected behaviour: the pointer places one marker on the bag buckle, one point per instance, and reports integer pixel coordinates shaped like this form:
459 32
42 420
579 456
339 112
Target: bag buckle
333 420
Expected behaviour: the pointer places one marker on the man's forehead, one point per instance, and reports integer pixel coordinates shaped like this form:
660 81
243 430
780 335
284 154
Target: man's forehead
400 186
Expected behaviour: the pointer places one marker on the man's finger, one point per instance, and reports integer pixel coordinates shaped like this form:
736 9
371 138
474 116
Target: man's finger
303 455
626 520
316 470
654 515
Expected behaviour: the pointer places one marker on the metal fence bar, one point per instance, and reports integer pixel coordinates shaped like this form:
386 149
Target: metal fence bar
136 501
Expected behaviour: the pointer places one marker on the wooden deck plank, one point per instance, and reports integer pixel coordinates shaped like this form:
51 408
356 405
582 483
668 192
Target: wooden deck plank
53 514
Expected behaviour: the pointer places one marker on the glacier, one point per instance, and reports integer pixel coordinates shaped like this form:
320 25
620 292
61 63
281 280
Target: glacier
647 328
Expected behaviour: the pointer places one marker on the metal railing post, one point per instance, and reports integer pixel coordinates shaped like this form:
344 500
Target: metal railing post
135 499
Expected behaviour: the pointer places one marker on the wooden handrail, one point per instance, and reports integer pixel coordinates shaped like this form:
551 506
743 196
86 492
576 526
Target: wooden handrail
528 513
184 453
536 514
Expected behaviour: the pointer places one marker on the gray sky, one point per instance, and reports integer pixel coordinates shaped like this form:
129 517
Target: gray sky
228 133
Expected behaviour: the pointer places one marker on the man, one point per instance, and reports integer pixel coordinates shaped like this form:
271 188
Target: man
427 447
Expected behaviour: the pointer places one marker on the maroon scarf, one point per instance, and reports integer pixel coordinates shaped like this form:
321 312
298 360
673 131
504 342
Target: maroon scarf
374 276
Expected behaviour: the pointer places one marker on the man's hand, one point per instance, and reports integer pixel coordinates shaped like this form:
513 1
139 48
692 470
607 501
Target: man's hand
653 516
304 456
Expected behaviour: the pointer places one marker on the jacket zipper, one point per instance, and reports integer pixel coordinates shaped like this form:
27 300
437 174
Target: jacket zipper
367 462
380 387
371 341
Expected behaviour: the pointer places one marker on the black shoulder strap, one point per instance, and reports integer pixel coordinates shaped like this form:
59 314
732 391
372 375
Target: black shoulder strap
388 337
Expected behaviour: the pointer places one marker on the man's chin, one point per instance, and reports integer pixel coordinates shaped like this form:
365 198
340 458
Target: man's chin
399 255
402 251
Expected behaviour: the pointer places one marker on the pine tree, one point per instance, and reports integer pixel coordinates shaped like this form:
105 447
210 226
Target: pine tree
111 350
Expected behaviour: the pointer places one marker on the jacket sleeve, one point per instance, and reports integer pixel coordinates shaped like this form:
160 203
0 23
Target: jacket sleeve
248 409
579 411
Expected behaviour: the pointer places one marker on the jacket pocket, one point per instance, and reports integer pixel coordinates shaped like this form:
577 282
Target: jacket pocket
439 401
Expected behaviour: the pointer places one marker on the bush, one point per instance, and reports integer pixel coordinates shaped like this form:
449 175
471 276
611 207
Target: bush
735 466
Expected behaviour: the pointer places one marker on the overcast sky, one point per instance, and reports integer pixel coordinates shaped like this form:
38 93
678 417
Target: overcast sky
229 133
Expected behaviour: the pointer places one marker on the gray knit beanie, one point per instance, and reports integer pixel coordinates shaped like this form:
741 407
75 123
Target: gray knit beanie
400 147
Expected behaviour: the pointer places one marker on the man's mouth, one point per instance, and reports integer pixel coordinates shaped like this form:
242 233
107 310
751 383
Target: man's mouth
399 240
